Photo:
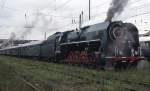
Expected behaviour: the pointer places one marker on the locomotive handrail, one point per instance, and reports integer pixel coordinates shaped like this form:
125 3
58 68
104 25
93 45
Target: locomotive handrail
80 42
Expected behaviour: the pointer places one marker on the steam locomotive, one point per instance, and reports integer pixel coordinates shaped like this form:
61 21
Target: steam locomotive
107 44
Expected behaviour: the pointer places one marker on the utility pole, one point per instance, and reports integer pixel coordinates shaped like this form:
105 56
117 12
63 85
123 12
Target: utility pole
55 6
26 19
80 16
89 9
45 36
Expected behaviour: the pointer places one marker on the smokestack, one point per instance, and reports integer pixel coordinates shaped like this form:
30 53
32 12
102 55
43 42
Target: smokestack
117 7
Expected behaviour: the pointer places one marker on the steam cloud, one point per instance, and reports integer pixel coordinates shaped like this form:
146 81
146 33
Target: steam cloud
30 27
117 7
9 42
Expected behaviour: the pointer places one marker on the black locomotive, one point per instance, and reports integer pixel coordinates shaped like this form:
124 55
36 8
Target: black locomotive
102 44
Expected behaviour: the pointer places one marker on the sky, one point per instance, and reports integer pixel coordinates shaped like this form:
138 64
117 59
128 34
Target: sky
31 19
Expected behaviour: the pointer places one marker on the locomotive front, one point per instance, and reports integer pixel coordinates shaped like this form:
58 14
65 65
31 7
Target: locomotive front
123 42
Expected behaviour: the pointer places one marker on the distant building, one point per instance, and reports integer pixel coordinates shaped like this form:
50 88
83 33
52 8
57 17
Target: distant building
143 33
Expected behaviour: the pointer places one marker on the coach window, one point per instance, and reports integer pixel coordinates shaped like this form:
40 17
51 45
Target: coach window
149 44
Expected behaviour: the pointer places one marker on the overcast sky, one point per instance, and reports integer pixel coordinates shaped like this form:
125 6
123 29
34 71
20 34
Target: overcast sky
32 18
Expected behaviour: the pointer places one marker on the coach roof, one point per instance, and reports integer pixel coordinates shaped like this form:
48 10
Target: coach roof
24 45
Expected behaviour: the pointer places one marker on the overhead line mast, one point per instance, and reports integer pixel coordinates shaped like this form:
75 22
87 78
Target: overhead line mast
89 9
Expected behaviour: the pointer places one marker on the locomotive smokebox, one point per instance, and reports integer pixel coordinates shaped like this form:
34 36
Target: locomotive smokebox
123 39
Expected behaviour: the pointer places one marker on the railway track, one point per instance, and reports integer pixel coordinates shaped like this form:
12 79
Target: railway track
125 84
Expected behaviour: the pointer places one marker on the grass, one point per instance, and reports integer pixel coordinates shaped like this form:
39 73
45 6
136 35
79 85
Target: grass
18 74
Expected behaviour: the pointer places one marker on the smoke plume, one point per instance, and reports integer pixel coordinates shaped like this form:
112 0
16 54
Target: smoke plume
117 7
